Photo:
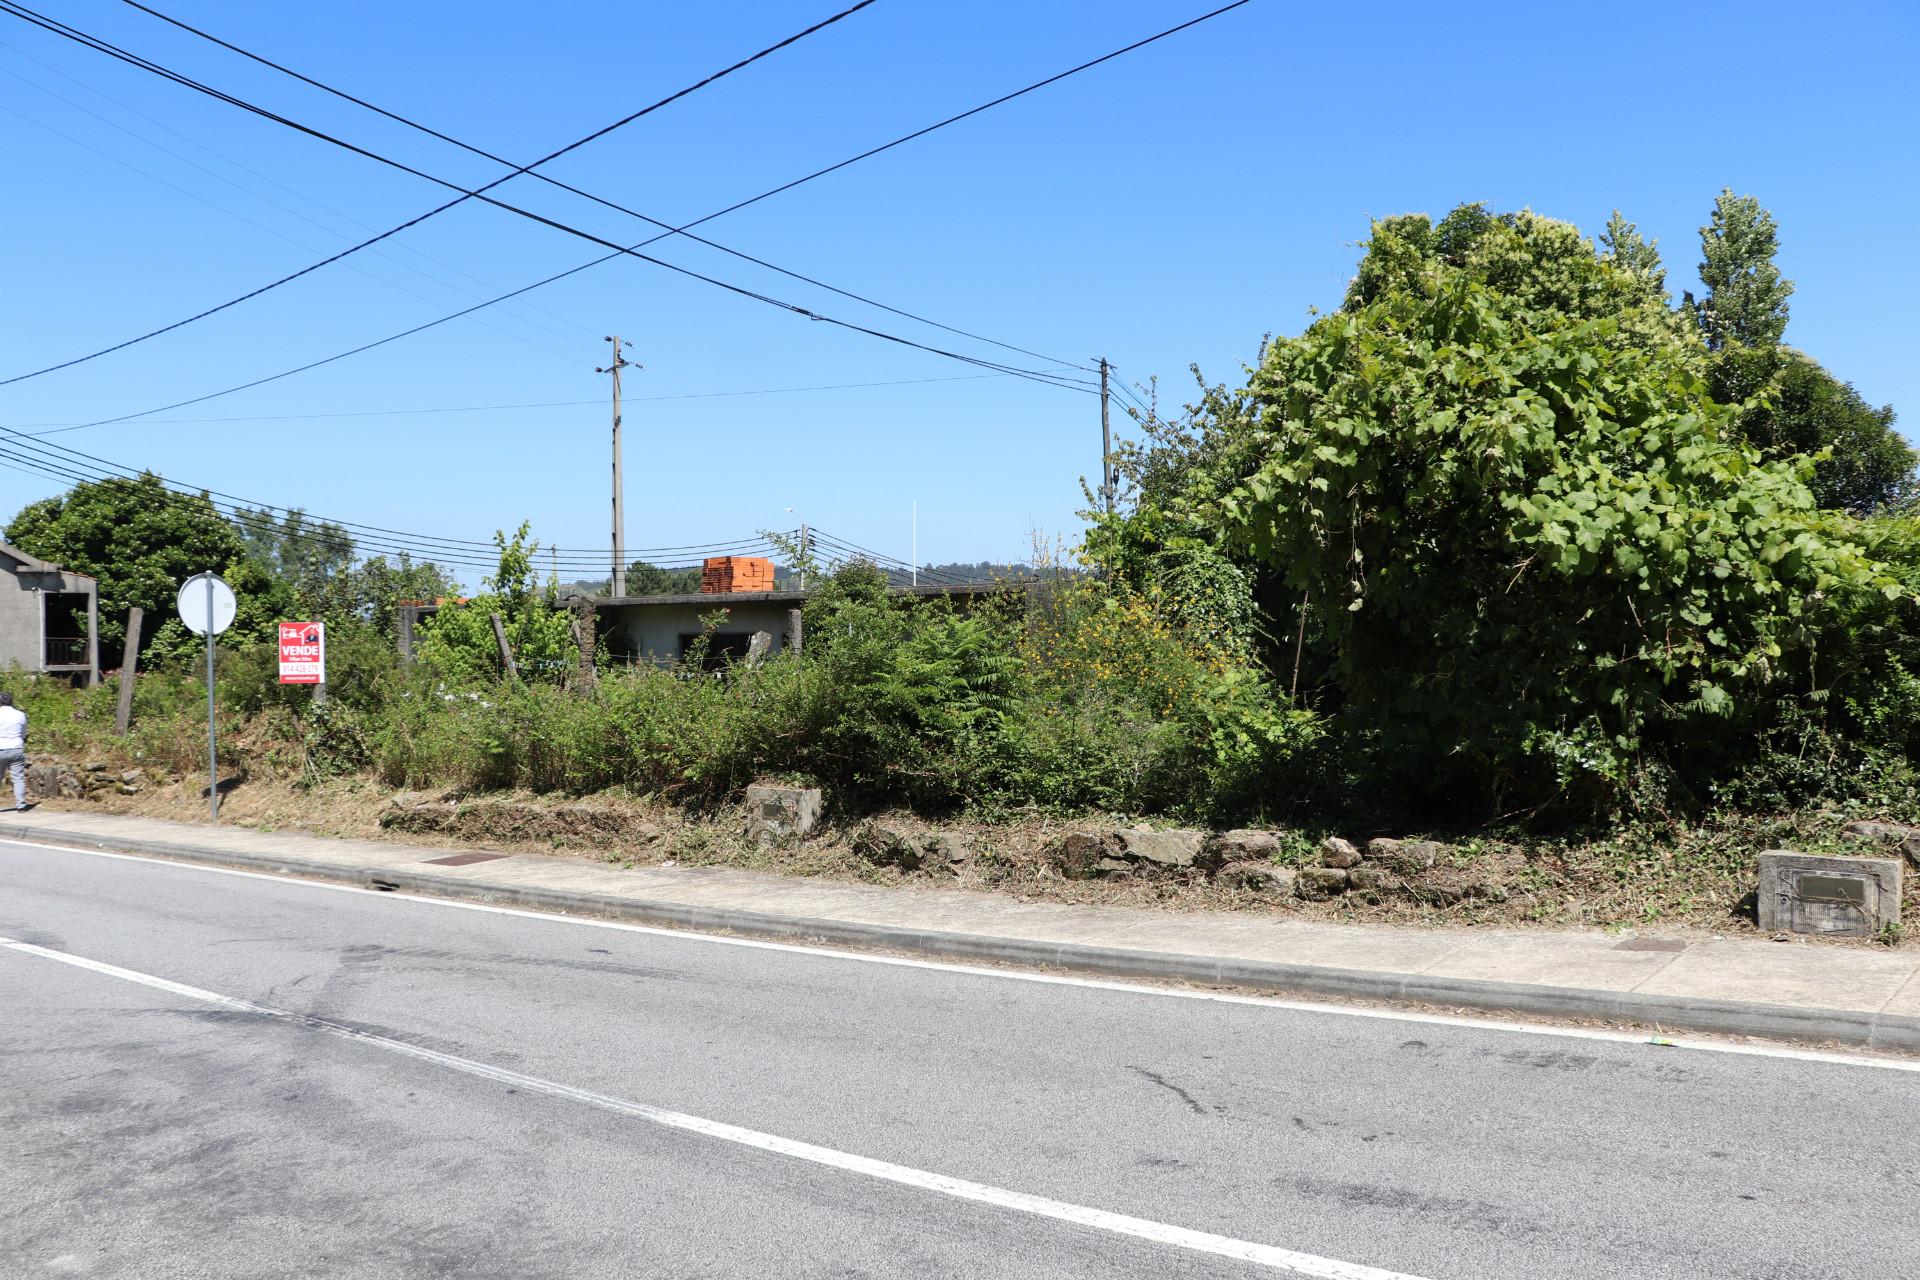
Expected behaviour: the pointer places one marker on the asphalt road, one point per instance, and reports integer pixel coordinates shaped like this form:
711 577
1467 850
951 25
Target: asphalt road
416 1089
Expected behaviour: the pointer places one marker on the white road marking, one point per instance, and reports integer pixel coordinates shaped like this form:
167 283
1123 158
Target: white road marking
1515 1026
1305 1265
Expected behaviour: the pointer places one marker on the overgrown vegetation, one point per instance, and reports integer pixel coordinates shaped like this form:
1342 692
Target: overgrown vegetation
1509 537
1525 559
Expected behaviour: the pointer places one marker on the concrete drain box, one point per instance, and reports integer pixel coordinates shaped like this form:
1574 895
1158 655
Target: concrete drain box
1841 897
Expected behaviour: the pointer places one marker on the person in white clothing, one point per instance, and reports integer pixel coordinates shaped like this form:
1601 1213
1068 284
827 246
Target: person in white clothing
13 748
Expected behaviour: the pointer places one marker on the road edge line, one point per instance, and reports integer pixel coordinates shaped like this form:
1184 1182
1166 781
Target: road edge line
1785 1023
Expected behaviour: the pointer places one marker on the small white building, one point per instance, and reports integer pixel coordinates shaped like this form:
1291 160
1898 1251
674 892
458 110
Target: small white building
49 618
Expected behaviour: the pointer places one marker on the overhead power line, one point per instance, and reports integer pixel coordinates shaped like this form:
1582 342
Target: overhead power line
544 404
849 551
303 196
75 466
1127 392
91 42
684 230
320 532
1036 375
261 226
102 46
266 520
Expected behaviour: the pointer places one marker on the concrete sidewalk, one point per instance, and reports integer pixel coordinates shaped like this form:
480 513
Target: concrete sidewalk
1796 990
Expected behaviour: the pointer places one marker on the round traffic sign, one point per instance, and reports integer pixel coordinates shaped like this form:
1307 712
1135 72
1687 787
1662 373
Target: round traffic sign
206 604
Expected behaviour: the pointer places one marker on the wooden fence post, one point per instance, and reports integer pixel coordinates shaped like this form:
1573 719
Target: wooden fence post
129 668
586 635
506 654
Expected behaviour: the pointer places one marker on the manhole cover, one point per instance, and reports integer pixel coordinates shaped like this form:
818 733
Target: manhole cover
464 859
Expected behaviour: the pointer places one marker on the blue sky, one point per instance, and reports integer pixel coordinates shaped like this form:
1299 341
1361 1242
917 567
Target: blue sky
1163 210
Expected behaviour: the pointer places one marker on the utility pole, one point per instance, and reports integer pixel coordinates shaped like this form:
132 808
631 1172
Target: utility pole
617 584
1106 441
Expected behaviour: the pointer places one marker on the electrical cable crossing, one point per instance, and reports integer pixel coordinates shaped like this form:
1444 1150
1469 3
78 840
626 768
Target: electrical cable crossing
1053 377
683 230
23 427
78 467
114 51
72 466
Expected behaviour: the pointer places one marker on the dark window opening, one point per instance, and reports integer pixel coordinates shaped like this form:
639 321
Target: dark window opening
723 647
66 628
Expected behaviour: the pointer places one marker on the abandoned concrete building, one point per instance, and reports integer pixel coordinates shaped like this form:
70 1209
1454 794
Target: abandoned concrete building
49 618
658 630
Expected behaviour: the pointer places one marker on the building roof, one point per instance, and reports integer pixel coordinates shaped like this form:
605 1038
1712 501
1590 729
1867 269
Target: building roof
797 598
34 564
422 608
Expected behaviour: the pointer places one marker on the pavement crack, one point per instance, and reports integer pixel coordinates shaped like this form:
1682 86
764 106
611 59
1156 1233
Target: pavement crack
1167 1084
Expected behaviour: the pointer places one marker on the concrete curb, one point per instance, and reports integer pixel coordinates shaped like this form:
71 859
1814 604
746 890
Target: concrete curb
1721 1017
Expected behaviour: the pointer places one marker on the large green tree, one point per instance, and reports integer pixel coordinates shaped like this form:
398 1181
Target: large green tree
141 540
1536 550
1547 272
378 587
1789 403
314 558
1746 298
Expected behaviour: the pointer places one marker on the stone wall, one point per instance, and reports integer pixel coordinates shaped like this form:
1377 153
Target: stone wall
50 778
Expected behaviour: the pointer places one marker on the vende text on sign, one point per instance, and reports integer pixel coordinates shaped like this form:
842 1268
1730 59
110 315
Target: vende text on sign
303 653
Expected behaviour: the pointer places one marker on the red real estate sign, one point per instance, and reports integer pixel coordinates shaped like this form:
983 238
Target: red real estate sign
303 653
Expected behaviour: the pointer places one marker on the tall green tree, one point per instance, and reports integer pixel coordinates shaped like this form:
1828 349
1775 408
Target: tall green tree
1746 299
1789 404
141 540
1544 268
458 640
379 586
313 558
1622 245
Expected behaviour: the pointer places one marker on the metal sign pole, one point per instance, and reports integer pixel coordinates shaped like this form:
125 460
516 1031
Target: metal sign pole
213 751
209 615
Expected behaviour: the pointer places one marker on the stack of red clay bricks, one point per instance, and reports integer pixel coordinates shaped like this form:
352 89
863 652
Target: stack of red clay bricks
722 575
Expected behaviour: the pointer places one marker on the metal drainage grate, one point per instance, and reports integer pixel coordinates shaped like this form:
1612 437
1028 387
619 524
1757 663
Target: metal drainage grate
463 859
1651 944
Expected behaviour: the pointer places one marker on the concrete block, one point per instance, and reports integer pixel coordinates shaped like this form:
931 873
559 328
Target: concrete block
776 813
1844 897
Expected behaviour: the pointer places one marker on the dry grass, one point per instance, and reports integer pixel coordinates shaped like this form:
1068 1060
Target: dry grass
1692 881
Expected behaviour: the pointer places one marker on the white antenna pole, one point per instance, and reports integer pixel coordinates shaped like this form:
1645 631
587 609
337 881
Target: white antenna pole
916 542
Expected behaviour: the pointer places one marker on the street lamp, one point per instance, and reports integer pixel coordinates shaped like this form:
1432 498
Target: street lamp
801 564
